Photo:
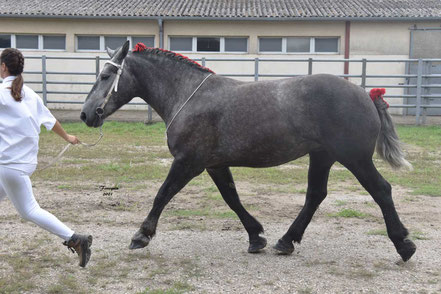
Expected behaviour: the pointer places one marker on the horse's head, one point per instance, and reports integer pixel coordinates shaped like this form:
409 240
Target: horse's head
113 88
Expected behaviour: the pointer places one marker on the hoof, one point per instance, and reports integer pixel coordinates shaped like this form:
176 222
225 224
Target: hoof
139 240
284 248
407 249
257 245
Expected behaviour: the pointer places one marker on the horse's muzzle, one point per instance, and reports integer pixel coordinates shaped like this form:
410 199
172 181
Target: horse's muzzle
93 120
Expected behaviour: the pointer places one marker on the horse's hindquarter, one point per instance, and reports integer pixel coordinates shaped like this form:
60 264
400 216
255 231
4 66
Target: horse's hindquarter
345 121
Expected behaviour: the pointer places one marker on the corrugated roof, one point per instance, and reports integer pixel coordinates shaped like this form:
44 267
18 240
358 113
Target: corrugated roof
276 9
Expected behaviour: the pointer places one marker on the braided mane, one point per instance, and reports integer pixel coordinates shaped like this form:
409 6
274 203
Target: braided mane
140 48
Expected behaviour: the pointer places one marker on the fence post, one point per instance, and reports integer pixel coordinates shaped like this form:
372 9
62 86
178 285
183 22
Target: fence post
256 69
149 114
427 70
97 66
363 73
309 66
43 79
418 91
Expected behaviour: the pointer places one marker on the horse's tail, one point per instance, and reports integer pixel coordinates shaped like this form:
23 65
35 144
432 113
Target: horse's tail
388 143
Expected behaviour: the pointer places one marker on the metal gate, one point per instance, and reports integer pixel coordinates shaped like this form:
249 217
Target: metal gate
425 43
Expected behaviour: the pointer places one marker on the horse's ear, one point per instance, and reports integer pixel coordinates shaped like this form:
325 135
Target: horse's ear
111 52
125 49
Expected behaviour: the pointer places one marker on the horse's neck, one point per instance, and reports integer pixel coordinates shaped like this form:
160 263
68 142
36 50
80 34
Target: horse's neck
167 88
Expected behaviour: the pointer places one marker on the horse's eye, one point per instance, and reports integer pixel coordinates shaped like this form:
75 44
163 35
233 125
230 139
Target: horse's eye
105 76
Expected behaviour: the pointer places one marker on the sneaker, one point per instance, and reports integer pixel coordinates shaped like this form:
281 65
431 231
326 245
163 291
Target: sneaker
81 245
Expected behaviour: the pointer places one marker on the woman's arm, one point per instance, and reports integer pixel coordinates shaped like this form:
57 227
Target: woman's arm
58 129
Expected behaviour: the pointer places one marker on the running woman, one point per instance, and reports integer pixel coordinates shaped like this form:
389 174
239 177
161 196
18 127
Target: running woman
22 112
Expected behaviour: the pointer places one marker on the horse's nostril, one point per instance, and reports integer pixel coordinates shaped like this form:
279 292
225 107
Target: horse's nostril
83 116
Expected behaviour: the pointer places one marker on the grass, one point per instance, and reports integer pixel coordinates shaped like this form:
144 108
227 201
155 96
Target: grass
25 269
65 283
135 152
418 235
340 202
179 287
414 234
203 212
349 213
378 232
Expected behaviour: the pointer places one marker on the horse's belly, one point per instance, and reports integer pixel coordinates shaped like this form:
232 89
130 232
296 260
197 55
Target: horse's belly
271 154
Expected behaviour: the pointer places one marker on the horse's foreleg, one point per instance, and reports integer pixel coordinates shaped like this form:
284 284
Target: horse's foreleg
381 191
319 165
224 181
181 172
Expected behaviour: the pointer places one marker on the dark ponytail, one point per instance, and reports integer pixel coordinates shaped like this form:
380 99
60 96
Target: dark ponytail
14 61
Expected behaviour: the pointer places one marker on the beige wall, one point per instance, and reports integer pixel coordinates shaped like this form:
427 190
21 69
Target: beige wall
380 40
72 27
253 30
383 38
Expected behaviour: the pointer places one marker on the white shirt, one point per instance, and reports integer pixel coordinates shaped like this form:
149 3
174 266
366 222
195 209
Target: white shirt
20 124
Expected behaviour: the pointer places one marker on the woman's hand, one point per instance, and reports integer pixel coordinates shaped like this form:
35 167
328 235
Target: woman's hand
72 139
58 129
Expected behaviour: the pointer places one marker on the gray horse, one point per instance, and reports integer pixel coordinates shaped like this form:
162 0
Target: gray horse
215 122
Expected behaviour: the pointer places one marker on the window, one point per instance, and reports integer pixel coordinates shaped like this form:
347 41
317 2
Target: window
114 42
270 45
236 45
5 41
209 44
33 42
326 44
148 41
54 42
26 41
181 44
99 43
299 45
88 42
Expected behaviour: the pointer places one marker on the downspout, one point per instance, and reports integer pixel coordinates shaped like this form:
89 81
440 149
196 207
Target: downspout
161 33
407 68
149 119
347 46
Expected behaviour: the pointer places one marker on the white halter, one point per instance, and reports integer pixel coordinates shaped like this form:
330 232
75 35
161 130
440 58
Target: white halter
100 110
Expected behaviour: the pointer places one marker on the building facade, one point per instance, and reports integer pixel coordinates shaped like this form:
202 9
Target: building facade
232 29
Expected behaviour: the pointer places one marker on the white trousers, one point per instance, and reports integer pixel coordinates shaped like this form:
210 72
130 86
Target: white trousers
16 184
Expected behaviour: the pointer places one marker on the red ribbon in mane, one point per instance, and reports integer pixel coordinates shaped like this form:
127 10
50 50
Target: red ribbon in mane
377 93
139 47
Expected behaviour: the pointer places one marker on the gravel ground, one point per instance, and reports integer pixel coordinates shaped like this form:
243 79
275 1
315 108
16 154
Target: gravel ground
203 254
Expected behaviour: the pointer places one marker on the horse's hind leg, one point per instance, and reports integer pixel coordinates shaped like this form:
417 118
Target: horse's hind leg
224 181
181 172
381 191
319 165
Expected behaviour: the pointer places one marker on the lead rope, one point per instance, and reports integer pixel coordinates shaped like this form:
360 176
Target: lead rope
58 157
182 106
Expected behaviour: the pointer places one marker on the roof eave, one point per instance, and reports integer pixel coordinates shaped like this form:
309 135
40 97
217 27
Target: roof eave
211 18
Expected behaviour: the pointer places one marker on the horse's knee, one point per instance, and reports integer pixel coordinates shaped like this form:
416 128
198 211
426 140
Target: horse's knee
315 196
383 195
